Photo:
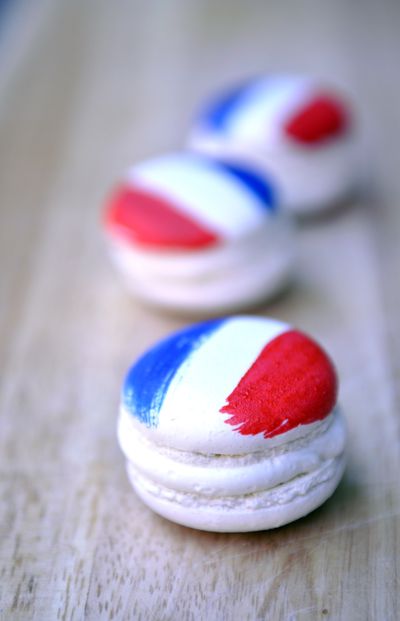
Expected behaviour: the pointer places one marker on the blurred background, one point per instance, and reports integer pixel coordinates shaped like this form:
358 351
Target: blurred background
86 89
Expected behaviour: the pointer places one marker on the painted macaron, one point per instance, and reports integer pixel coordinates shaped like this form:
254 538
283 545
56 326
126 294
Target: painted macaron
232 425
195 234
294 127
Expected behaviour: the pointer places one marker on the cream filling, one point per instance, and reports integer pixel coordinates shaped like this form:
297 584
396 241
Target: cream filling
284 494
235 288
231 475
238 278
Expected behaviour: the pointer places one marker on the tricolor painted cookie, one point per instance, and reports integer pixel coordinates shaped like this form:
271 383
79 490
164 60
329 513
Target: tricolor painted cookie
232 425
195 234
295 128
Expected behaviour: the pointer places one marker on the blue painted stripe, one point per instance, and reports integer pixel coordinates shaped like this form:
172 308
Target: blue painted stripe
148 380
216 115
254 182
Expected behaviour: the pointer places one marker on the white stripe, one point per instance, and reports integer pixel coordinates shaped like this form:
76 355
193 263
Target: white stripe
269 103
205 380
204 192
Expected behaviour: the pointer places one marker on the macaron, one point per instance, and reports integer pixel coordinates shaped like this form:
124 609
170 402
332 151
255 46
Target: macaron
232 425
296 128
199 235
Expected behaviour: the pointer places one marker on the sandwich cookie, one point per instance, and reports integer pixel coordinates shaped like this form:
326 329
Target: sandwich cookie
232 425
195 234
293 127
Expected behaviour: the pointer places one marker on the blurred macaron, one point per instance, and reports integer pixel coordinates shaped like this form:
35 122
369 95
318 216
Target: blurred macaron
296 128
199 235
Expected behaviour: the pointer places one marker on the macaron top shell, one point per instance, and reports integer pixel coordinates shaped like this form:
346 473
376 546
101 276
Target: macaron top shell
187 202
278 112
231 386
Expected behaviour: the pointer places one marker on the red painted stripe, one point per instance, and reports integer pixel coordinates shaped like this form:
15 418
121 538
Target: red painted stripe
322 118
142 218
292 382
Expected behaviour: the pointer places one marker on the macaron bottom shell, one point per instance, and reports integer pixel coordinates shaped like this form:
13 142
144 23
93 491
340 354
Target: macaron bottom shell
250 512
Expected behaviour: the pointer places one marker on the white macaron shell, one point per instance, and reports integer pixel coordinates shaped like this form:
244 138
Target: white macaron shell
190 417
203 191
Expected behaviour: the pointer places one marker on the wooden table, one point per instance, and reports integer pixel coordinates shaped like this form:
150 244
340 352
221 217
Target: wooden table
86 88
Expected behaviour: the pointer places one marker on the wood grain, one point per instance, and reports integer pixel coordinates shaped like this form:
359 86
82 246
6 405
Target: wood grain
87 89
